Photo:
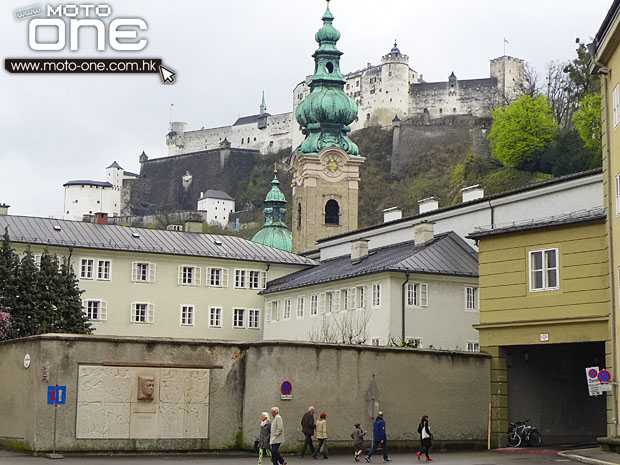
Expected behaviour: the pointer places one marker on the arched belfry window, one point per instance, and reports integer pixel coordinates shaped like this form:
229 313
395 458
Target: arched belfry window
299 215
332 212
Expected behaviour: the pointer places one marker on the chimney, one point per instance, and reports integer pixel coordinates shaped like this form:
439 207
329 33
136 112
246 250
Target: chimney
359 250
101 218
472 193
423 233
428 204
392 214
192 226
4 209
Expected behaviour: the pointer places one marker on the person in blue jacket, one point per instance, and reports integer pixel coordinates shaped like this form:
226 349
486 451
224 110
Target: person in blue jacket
379 437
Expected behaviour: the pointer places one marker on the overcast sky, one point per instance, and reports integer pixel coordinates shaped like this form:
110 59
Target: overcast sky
56 128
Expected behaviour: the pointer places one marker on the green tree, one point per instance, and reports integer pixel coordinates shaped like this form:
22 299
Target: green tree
521 131
25 310
70 317
587 121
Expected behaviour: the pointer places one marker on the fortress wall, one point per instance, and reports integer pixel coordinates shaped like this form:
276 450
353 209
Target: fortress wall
160 186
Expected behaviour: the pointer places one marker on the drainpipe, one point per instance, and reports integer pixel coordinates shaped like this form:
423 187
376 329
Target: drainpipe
492 215
405 302
614 355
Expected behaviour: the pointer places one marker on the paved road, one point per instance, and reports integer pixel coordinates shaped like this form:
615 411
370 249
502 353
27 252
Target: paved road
444 458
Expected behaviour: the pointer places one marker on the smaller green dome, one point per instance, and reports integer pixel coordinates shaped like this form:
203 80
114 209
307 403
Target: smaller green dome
327 33
275 194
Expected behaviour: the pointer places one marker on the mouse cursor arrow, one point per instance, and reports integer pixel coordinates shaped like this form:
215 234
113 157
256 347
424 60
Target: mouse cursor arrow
167 75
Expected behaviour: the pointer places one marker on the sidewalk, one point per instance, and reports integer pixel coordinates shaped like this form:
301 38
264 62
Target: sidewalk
593 456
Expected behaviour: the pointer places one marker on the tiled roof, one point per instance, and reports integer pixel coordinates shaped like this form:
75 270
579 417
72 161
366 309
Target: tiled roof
64 233
446 254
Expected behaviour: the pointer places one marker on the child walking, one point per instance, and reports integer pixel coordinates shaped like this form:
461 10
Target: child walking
358 441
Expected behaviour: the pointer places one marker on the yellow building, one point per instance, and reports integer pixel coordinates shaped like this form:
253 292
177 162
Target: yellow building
606 63
146 282
544 312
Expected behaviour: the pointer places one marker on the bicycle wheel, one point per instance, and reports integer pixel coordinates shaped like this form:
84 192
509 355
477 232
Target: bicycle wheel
514 440
535 439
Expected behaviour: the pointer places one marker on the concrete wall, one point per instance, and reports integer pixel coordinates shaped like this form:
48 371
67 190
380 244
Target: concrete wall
452 388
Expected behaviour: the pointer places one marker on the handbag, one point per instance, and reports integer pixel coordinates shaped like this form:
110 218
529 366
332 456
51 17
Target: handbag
256 444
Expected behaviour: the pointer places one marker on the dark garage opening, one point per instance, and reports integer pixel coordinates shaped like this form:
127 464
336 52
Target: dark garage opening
547 385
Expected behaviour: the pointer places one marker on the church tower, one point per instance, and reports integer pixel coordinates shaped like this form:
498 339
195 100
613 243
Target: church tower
325 166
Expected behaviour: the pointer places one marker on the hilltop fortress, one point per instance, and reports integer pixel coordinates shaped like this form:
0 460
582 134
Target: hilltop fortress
391 88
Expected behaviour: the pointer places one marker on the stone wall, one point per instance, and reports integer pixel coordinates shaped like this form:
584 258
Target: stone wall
174 183
422 135
222 410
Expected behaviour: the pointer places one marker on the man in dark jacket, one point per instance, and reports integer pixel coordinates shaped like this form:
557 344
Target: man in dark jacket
379 437
308 427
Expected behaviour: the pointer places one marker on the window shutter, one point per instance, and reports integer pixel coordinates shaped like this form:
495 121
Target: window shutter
180 274
336 301
423 295
268 312
151 314
103 310
134 271
263 280
224 277
197 271
151 272
132 312
322 297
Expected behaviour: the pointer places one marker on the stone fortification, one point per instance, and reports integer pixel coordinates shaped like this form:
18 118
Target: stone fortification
175 183
418 138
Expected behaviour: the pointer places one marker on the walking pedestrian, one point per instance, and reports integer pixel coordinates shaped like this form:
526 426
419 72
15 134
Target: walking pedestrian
358 440
425 438
263 437
379 437
276 436
321 435
308 427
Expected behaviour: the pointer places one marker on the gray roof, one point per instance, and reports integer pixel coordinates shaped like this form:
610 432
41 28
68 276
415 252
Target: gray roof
446 254
212 194
87 182
249 119
64 233
116 165
580 216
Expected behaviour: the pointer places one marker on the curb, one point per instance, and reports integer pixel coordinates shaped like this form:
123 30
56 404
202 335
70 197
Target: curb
582 459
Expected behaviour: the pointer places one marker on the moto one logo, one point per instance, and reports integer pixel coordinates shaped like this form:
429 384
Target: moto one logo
122 33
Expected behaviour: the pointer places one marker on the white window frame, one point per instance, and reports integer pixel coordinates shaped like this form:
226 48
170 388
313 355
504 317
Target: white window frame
221 278
104 276
417 294
102 309
376 295
256 279
300 306
215 317
286 312
615 97
189 275
187 316
472 305
618 194
275 310
149 317
472 346
329 302
37 259
150 272
544 270
254 318
344 295
241 279
314 305
89 271
236 324
360 297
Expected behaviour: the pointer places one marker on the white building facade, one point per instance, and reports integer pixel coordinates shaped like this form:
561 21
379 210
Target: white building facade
218 205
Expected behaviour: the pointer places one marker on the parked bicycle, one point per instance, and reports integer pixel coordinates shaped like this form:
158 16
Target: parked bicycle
522 433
